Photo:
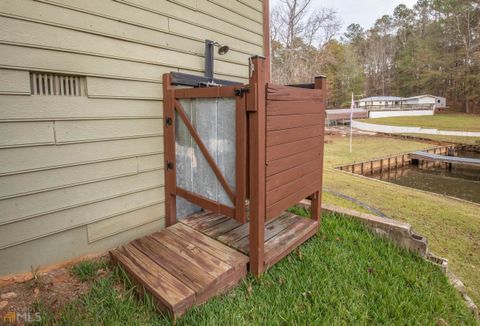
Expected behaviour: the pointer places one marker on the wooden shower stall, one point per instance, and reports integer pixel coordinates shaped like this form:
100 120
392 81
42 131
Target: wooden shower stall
237 157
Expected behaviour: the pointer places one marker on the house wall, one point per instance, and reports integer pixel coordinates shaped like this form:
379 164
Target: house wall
82 174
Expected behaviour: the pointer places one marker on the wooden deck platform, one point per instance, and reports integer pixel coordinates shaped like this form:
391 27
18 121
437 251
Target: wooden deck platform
282 235
204 255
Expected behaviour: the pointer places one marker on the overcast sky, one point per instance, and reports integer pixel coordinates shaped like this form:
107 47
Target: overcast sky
363 12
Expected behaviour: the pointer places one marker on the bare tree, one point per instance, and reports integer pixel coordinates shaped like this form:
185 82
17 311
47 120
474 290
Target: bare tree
298 35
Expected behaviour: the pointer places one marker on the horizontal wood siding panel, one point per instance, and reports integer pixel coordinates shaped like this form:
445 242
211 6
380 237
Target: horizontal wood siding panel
241 9
170 9
287 176
277 194
292 107
25 133
14 82
289 162
45 225
51 37
288 93
277 208
78 64
150 162
14 160
183 28
154 28
24 183
294 134
65 245
283 150
126 89
75 108
85 130
114 225
255 4
282 122
43 203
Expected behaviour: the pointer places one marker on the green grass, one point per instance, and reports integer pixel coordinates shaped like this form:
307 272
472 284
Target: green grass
451 226
87 269
451 121
345 275
450 139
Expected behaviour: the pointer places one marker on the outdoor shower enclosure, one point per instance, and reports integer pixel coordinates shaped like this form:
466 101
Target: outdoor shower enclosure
248 152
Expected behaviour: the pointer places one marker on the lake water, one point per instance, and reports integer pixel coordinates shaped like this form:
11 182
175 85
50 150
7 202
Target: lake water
461 182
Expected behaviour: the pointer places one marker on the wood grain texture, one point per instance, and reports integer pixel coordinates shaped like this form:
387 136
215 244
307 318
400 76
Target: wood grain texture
181 267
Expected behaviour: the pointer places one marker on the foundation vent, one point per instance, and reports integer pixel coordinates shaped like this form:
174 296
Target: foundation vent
49 84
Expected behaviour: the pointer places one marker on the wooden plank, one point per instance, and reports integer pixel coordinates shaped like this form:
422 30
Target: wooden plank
206 221
216 230
282 122
190 251
286 189
195 218
280 206
241 159
213 247
287 93
205 92
272 228
299 171
293 161
191 275
294 134
205 202
170 154
166 288
283 150
256 99
299 106
235 234
290 238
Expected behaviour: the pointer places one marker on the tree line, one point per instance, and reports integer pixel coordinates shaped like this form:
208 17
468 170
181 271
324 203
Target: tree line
432 48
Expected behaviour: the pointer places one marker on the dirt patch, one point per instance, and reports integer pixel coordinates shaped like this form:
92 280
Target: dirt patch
52 290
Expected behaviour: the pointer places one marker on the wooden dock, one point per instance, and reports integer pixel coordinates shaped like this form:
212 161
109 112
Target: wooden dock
204 255
424 156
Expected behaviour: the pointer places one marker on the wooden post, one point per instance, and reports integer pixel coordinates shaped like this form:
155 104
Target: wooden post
169 151
316 202
256 102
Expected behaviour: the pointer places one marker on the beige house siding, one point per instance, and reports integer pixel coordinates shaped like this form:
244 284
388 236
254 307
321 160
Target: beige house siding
82 174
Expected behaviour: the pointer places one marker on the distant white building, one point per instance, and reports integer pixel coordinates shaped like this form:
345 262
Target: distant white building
394 106
437 101
379 101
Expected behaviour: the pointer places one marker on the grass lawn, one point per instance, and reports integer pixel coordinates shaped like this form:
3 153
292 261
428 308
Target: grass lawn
450 121
451 226
451 139
345 275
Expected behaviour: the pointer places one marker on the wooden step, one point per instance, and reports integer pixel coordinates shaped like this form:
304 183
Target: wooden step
181 267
